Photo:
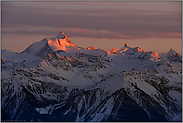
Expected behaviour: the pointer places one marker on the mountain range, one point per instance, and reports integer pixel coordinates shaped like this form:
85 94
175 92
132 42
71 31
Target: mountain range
56 80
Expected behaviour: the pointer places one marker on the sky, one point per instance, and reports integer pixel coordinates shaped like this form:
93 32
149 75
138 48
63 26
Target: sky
152 26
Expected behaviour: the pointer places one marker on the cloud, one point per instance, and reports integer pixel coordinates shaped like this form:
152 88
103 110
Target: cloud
53 31
126 20
81 32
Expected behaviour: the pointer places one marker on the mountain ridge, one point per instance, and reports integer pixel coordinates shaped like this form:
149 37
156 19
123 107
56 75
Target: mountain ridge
61 42
78 84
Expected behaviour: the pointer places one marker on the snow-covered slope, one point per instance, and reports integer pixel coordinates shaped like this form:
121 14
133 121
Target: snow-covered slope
171 55
59 43
48 45
59 81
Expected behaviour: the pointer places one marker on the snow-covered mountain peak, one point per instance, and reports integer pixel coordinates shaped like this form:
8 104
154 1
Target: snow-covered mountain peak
126 45
61 35
155 56
139 49
171 52
126 50
63 40
114 50
60 44
90 48
171 55
48 45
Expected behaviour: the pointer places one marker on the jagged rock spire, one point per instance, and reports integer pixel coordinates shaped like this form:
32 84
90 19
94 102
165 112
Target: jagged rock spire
126 45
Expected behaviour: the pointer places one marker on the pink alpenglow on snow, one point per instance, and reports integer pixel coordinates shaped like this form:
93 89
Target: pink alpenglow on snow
90 48
61 42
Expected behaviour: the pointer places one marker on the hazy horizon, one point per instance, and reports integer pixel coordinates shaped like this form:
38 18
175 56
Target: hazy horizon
152 26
